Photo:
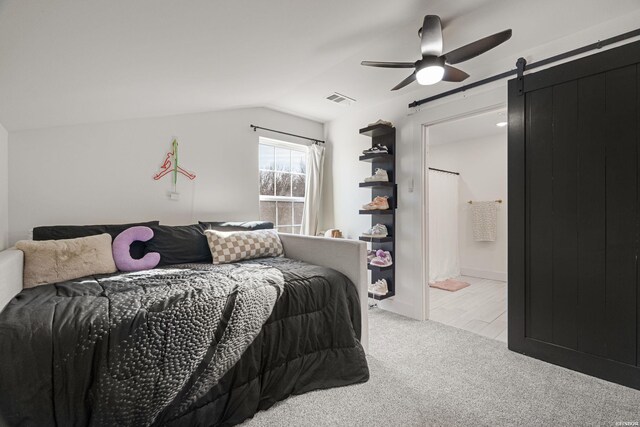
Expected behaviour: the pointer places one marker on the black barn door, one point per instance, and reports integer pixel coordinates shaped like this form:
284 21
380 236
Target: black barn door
574 215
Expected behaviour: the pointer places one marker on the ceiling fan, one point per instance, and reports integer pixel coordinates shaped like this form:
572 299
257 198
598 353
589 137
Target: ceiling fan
433 67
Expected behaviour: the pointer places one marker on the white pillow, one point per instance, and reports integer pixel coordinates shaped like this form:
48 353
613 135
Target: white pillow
231 246
54 261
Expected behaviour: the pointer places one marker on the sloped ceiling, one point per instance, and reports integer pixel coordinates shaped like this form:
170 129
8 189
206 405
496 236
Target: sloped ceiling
67 61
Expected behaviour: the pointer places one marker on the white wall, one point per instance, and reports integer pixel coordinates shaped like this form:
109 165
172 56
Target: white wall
482 165
344 171
102 173
4 188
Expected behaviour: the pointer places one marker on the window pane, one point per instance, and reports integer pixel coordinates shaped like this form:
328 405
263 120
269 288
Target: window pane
283 184
285 213
285 229
283 159
297 185
267 157
297 230
298 161
267 183
268 211
298 208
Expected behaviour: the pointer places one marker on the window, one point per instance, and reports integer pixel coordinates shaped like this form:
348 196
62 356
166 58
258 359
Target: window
283 174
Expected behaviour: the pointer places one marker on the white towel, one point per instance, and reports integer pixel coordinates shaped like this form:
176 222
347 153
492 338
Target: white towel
484 219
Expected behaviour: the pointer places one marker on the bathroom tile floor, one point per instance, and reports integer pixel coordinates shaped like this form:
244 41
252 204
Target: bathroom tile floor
480 308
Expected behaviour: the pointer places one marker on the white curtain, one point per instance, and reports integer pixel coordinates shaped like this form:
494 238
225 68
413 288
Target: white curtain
444 257
313 189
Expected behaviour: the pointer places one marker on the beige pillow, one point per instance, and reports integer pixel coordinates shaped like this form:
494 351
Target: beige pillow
234 246
53 261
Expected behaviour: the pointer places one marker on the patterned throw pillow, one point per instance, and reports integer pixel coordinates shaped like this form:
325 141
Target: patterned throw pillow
234 246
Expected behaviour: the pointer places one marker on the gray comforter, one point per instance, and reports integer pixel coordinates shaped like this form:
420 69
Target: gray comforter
131 345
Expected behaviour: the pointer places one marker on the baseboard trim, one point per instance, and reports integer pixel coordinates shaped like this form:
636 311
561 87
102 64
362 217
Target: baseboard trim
484 274
399 307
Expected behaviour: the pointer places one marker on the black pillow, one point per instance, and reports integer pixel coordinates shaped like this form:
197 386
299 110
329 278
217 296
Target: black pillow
236 226
179 244
59 232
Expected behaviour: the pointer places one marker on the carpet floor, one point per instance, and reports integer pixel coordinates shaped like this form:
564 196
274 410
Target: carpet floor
429 374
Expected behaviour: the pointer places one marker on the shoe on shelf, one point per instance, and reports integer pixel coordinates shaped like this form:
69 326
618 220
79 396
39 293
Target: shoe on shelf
370 255
382 259
379 288
379 176
381 122
376 149
378 230
379 203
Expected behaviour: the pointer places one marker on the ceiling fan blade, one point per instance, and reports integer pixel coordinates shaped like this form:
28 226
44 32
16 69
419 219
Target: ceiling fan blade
406 81
453 74
431 34
478 47
388 64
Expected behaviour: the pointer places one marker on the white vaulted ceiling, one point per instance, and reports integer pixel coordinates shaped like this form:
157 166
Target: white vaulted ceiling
71 61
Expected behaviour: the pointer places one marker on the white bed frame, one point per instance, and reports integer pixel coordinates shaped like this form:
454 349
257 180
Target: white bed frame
11 263
349 257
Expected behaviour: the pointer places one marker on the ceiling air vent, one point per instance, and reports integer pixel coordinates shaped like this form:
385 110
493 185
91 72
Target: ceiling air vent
341 99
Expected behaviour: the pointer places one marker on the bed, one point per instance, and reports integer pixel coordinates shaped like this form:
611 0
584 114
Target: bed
64 360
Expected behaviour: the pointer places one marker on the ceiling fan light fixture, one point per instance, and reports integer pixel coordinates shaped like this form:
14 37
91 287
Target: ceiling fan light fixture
430 75
430 71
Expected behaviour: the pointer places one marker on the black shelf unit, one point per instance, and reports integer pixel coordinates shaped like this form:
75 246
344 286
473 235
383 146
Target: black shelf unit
378 212
378 268
376 239
384 135
380 297
377 130
376 157
376 184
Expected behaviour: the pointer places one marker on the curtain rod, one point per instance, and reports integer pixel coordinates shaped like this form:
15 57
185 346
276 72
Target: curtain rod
319 141
445 171
522 64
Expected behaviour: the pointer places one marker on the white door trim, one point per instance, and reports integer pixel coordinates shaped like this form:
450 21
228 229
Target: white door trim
424 176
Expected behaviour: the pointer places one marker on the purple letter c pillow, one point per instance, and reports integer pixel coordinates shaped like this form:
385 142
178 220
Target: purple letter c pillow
122 256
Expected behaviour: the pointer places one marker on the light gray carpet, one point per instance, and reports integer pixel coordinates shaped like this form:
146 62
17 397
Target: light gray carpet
429 374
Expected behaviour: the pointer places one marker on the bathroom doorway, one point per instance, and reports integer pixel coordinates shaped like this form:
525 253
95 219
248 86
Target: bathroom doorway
466 201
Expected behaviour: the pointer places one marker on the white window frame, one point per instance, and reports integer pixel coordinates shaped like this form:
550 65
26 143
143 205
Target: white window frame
303 148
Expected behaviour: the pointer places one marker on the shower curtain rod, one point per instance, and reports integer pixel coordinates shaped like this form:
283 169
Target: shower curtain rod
445 171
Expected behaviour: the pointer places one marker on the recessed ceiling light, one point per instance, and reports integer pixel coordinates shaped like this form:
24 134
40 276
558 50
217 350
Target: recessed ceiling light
501 124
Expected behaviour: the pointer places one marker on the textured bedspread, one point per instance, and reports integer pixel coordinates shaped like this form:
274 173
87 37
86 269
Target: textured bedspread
191 345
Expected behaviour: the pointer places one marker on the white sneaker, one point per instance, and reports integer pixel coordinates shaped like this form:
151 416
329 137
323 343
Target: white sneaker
378 230
381 122
380 176
379 288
